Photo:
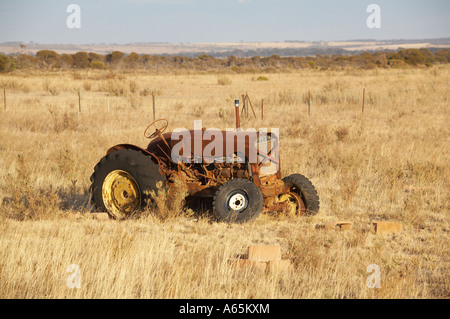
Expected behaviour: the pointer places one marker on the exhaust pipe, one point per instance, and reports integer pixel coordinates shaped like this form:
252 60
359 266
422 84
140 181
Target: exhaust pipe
238 122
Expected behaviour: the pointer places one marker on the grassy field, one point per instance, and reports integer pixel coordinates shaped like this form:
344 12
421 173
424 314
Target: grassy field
390 162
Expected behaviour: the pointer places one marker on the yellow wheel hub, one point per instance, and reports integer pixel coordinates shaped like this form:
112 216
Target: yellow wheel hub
295 203
121 194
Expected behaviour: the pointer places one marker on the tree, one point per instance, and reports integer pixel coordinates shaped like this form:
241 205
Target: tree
429 58
412 56
381 60
95 57
231 60
48 58
81 60
3 63
7 64
132 60
66 61
27 61
114 58
442 55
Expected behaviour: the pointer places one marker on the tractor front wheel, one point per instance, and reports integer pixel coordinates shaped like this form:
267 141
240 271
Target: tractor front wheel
238 200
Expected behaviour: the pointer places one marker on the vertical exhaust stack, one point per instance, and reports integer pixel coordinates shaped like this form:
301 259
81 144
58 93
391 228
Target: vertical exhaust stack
238 122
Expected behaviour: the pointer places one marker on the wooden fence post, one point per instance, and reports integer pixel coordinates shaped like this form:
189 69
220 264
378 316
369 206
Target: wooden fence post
153 99
309 103
262 109
250 102
244 106
79 101
364 97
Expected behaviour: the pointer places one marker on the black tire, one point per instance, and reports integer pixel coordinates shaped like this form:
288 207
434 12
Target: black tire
303 187
139 166
238 200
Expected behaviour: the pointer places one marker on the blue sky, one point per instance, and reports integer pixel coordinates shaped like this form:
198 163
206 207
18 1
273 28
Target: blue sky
196 21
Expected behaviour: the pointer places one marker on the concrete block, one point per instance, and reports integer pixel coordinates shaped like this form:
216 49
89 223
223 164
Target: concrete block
269 266
336 225
279 265
239 263
264 253
386 227
262 258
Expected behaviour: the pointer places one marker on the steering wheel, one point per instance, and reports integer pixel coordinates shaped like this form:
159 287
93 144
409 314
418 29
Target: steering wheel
159 129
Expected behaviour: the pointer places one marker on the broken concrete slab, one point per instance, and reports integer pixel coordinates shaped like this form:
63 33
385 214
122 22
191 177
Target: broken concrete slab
279 265
386 227
250 264
268 266
335 225
262 257
264 253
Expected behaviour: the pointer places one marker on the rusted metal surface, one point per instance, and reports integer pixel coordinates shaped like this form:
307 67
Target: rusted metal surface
271 186
203 176
203 160
295 201
159 129
197 171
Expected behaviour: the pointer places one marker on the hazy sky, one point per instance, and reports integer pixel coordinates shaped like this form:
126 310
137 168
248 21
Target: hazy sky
175 21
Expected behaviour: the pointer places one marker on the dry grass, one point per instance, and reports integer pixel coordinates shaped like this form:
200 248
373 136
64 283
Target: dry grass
392 162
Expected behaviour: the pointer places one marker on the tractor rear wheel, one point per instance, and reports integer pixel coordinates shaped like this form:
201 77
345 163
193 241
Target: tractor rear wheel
238 200
300 192
121 181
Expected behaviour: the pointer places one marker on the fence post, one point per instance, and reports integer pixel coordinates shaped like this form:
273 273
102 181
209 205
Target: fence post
262 109
79 101
364 97
244 106
250 102
309 103
153 99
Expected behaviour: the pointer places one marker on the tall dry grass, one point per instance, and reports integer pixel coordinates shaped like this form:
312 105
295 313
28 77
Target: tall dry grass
390 162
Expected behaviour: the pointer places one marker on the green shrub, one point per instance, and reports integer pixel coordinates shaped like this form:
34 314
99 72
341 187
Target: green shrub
98 65
6 64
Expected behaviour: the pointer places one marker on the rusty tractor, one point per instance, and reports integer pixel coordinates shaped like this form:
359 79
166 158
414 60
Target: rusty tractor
239 171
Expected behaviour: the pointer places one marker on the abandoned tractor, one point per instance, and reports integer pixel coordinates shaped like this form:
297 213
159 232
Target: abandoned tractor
238 170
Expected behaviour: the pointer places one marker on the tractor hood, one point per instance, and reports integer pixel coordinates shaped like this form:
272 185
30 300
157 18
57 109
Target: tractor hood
214 145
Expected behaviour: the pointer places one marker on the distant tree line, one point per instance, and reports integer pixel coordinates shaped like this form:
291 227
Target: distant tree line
51 60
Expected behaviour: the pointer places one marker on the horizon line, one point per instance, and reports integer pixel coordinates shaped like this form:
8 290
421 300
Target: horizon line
226 42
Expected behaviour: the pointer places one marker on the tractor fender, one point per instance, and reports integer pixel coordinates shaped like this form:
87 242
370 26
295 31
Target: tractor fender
133 147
